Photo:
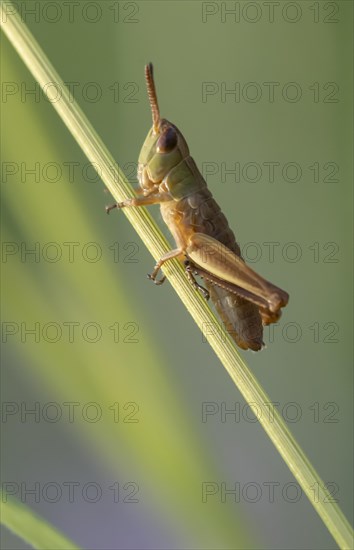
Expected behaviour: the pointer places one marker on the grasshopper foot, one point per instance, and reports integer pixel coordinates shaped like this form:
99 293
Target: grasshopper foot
156 281
112 207
204 291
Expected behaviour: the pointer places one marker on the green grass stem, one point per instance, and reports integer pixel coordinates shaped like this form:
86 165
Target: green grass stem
37 532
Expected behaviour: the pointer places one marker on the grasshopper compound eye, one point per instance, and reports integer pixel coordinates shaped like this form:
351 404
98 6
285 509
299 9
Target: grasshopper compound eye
167 141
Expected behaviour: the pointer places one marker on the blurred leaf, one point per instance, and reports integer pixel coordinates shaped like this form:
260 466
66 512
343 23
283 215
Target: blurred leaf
31 528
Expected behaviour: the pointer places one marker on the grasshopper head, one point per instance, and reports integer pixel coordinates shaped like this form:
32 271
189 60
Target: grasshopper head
164 146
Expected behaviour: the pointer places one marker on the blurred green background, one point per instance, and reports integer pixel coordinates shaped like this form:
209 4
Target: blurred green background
117 372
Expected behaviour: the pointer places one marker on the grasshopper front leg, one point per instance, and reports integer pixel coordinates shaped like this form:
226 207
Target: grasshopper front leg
155 198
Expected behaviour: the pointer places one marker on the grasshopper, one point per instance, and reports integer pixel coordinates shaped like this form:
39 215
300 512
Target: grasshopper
168 176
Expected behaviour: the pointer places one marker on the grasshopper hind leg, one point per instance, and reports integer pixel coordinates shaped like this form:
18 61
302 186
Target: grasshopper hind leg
189 272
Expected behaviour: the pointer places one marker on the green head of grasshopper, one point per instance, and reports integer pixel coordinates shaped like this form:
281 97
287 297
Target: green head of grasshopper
164 147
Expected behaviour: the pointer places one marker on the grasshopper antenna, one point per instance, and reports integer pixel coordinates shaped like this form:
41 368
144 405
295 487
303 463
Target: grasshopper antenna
149 76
